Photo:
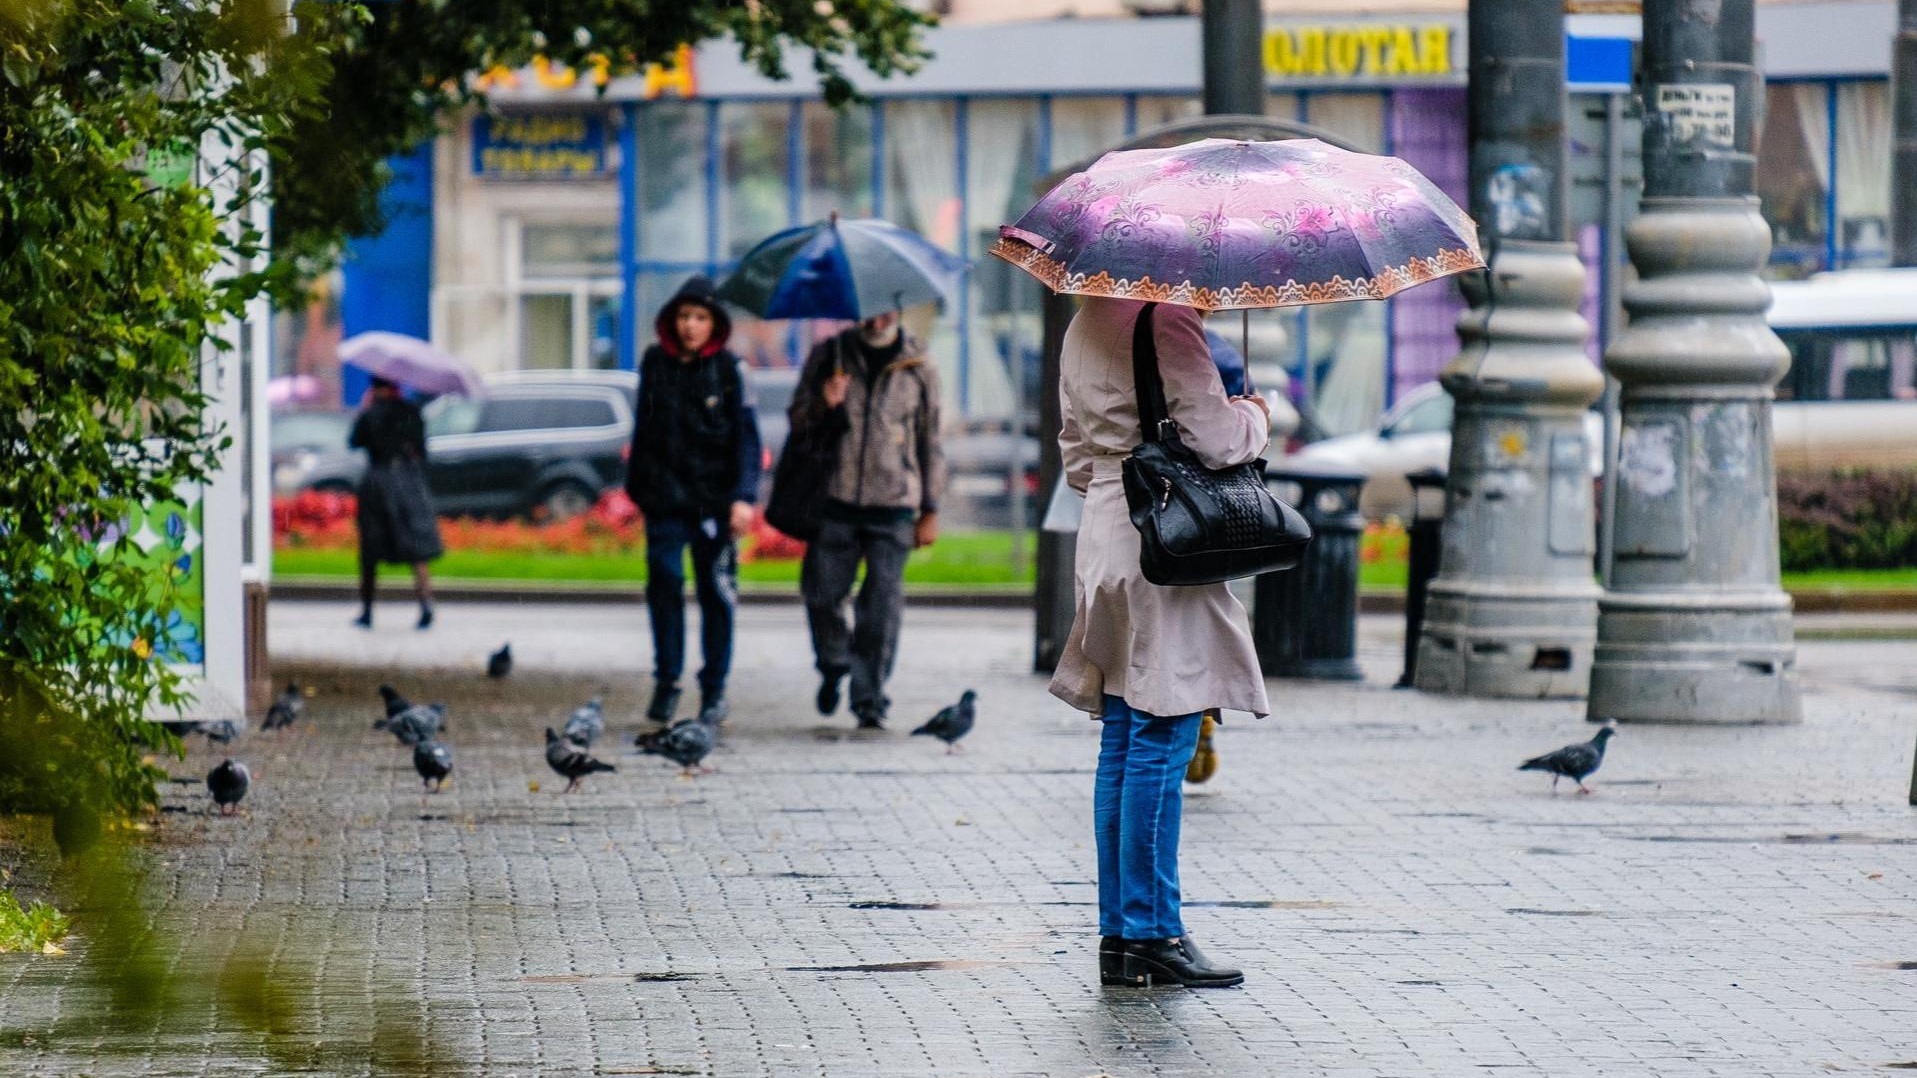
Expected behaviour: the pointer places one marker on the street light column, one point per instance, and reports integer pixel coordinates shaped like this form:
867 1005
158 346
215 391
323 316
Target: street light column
1695 627
1513 609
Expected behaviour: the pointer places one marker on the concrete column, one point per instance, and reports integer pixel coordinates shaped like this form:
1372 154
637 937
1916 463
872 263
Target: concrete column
1695 627
1903 164
1513 608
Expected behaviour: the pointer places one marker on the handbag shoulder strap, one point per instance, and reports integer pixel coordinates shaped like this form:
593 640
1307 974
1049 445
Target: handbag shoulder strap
1153 413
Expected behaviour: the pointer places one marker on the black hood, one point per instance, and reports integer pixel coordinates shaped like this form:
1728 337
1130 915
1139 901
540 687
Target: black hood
697 289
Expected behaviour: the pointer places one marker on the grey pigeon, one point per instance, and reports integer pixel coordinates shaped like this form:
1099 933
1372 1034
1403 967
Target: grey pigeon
220 731
571 760
500 663
1572 762
286 708
395 703
952 723
421 722
686 743
228 783
433 761
588 721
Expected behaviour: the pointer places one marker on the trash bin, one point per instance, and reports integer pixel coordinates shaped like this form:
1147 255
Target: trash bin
1426 532
1305 621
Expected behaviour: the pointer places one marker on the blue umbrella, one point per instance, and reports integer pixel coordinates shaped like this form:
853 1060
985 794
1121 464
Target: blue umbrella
841 269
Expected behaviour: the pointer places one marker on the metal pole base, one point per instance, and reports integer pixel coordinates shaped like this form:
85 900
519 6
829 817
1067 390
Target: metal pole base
1513 611
1736 663
1500 641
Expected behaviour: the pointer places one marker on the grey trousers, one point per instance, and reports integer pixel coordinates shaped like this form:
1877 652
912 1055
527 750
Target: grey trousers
867 648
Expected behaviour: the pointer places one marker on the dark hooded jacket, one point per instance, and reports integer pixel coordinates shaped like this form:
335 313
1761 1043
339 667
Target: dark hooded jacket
695 439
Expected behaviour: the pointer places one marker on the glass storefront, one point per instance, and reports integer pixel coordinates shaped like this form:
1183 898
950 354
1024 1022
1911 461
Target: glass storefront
1823 173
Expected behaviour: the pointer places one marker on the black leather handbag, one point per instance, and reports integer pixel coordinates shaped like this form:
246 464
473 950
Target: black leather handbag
802 478
1197 525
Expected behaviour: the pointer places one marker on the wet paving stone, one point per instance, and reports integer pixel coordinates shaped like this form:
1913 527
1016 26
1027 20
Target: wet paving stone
1729 902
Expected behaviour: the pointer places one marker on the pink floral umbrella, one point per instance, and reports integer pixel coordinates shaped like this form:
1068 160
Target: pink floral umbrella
1220 224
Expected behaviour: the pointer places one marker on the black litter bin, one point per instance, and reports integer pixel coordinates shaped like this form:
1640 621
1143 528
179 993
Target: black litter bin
1305 621
1426 533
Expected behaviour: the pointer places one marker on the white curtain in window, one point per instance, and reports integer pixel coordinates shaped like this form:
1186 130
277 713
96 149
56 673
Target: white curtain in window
1813 115
1084 126
1863 171
1358 117
999 171
924 162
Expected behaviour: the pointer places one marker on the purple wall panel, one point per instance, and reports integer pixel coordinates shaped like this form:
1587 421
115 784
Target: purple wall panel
1428 132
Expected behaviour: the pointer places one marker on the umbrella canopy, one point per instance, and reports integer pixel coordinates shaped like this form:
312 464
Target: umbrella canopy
411 362
294 389
1219 224
841 269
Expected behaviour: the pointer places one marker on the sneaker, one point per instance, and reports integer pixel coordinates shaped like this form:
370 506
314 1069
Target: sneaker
364 621
665 701
714 711
871 718
828 700
425 617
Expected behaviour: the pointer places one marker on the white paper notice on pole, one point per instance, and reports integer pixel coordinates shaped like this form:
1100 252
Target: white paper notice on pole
1704 112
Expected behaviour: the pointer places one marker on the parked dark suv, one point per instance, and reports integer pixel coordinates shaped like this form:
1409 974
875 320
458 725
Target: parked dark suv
539 444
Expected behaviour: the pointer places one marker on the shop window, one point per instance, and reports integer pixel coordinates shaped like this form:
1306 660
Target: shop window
921 193
1083 128
754 139
672 180
1156 109
1863 174
1793 175
1004 325
1358 118
567 300
838 161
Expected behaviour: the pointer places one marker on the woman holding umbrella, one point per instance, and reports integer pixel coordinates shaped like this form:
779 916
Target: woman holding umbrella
397 523
1154 237
396 520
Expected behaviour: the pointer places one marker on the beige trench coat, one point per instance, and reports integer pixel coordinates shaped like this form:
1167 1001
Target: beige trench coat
1164 651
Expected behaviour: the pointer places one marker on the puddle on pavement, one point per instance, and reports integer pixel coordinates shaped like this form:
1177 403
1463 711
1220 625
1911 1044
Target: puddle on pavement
1529 912
1421 984
925 966
1216 903
1265 904
911 905
1901 967
796 876
607 978
1547 851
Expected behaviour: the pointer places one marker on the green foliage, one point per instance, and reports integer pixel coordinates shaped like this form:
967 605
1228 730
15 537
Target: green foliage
112 290
29 928
1847 520
397 71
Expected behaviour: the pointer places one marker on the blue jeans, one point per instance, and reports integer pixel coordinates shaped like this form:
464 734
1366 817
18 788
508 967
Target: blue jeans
1136 804
715 567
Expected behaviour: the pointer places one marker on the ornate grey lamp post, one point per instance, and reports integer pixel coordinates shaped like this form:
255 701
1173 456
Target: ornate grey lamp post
1513 608
1695 627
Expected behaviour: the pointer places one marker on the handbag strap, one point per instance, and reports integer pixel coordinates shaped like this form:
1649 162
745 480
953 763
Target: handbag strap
1154 415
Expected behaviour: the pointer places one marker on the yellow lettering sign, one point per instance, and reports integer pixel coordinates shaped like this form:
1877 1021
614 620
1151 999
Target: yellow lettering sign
675 75
1370 50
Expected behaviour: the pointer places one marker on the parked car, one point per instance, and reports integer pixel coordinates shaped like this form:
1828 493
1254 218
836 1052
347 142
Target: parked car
299 440
1850 397
540 444
772 389
1413 435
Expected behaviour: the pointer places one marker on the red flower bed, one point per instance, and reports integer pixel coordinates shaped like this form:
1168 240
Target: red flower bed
612 526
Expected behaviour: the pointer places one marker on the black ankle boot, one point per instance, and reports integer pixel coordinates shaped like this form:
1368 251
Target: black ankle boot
1179 961
1111 960
665 701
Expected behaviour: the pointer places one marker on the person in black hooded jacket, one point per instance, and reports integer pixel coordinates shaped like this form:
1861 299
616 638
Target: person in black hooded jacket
694 473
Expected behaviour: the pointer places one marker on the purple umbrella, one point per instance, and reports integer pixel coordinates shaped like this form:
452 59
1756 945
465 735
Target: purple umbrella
411 362
1221 225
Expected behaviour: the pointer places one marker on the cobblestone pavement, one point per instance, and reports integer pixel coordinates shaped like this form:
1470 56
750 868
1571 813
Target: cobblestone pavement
1736 901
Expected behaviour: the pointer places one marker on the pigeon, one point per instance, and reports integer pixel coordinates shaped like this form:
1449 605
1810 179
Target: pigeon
395 703
228 783
500 663
286 708
421 722
952 723
434 761
1572 762
571 760
221 731
686 743
588 721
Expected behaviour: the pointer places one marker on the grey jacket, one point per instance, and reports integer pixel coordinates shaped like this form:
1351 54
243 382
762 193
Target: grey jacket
889 452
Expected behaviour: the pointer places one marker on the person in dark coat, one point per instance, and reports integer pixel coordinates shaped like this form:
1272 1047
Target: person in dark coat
397 524
694 473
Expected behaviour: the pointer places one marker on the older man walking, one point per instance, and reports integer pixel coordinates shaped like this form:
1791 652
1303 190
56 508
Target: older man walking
874 387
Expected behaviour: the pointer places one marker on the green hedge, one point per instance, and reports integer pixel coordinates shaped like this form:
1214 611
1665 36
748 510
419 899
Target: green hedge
1847 520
